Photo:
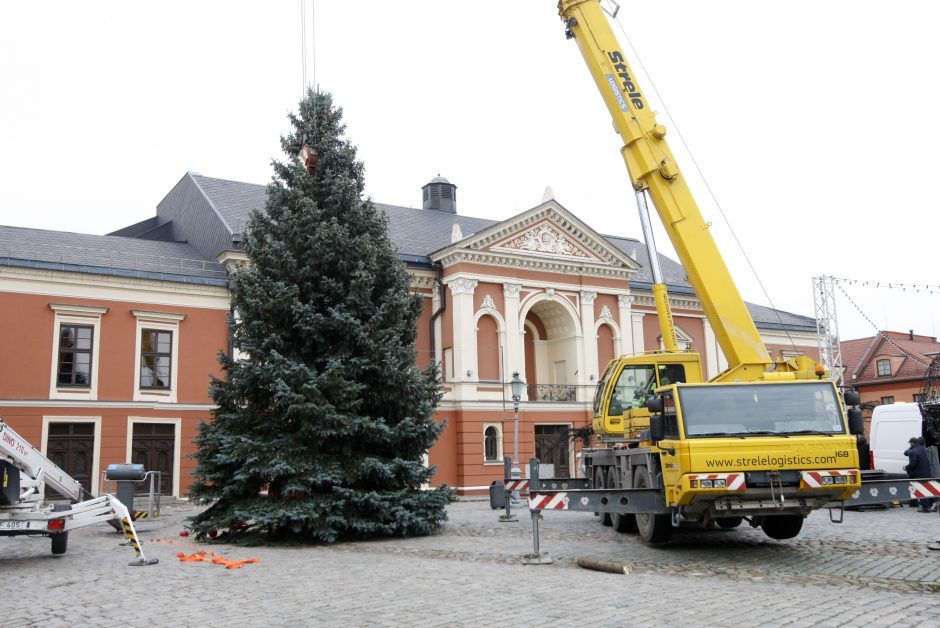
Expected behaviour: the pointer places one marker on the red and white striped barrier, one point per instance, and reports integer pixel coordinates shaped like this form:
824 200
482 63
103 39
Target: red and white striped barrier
517 485
549 501
733 481
814 479
925 490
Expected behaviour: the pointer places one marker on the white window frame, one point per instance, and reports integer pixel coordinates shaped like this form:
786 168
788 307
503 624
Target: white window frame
87 316
96 454
160 321
878 364
499 443
177 444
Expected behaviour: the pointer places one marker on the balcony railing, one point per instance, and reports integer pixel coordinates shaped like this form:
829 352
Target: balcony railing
552 392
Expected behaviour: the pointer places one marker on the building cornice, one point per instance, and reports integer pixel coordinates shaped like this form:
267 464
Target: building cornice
73 404
73 285
519 261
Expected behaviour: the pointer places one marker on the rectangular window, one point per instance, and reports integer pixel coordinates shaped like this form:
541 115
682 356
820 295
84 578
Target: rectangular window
75 350
75 353
920 398
887 400
884 367
156 355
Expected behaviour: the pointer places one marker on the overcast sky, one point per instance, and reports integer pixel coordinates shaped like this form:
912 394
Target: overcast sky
814 124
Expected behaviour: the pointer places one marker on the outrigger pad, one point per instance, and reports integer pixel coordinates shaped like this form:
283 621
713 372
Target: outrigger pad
143 562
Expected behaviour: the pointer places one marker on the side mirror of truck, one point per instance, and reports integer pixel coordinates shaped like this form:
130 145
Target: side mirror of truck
654 405
851 398
856 422
657 425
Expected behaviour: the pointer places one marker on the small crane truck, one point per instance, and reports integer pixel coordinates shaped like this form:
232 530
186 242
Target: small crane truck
24 474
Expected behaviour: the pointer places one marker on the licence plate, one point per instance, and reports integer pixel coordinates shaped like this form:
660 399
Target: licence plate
14 525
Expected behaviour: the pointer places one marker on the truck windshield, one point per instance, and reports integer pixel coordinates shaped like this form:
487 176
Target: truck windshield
765 409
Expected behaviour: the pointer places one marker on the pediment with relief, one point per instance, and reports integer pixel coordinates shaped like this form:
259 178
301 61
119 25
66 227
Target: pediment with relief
546 237
543 238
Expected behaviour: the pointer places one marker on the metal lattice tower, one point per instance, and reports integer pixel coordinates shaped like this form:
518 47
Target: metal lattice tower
827 326
930 391
930 401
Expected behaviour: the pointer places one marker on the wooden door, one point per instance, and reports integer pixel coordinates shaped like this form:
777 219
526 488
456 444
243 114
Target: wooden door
71 447
552 447
153 445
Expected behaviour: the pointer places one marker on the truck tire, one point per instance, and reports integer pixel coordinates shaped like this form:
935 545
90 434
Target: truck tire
60 541
653 529
728 523
600 481
622 523
782 527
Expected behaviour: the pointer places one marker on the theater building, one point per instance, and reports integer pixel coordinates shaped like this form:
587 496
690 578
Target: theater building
111 340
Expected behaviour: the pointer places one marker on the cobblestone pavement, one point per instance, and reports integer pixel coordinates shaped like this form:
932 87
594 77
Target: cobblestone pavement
874 569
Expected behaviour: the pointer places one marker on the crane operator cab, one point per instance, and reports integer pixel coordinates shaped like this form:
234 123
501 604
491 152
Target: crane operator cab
627 383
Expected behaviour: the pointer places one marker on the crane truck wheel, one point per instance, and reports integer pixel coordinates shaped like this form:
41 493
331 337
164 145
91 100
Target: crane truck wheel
727 523
600 481
621 522
653 529
782 527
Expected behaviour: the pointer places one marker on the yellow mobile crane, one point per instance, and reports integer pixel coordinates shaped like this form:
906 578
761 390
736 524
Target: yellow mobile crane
764 441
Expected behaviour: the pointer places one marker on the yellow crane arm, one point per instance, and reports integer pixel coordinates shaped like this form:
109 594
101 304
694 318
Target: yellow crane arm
653 168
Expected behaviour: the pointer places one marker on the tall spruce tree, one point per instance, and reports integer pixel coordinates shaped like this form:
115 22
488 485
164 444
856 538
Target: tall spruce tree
321 426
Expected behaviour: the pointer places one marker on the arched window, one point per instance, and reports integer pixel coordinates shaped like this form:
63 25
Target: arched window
488 349
492 443
605 347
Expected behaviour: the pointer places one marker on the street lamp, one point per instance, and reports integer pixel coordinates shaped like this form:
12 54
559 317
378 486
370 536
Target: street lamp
516 397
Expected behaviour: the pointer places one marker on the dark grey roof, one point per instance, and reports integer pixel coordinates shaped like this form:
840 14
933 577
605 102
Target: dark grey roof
233 200
146 249
139 229
769 318
420 232
110 255
673 273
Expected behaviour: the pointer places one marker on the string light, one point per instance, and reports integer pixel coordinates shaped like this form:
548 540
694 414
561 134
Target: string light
880 332
893 285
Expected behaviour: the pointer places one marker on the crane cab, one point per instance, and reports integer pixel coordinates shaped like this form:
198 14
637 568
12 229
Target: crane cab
628 381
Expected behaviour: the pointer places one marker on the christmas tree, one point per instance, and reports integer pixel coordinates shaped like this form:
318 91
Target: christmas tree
323 423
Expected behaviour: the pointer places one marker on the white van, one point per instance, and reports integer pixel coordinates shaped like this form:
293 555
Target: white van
892 426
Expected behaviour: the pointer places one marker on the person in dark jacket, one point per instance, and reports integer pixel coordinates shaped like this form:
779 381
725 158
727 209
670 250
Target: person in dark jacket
918 466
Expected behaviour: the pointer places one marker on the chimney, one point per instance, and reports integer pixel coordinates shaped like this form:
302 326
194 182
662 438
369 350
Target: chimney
912 334
440 194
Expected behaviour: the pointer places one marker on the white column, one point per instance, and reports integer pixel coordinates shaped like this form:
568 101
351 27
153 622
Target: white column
636 323
624 304
589 342
715 361
514 358
465 347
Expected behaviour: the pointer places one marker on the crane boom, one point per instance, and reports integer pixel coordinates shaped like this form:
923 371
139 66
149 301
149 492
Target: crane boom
653 168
